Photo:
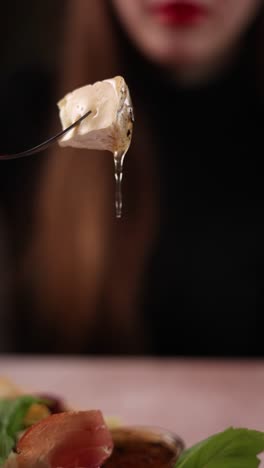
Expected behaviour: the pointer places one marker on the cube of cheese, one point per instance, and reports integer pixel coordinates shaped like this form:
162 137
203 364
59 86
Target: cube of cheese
110 124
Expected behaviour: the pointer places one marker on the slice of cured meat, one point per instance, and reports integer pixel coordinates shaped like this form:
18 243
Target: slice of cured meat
66 440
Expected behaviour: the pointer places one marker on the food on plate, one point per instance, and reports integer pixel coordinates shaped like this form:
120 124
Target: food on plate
144 447
110 124
71 439
34 435
66 440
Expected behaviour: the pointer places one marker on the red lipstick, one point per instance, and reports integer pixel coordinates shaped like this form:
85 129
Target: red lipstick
179 13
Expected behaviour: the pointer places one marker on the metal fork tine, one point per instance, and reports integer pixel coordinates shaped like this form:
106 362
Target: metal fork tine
45 144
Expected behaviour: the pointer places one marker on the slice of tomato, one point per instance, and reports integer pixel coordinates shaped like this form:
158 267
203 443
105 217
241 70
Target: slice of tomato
66 440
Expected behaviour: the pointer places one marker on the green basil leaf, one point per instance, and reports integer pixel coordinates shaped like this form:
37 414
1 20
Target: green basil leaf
233 448
6 445
12 415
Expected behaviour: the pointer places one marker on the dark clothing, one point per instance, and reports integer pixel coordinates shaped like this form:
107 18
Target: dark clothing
201 296
27 101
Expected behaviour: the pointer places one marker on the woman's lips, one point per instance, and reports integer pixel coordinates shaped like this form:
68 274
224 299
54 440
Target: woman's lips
179 13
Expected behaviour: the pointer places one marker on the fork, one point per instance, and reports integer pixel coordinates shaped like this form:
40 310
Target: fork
45 144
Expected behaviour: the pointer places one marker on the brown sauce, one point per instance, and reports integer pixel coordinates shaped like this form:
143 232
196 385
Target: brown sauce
140 449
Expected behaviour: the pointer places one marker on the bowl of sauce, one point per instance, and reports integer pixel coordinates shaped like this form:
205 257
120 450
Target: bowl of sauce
144 447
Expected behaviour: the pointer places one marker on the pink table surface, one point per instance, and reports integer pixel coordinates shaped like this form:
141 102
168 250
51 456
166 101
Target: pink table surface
193 398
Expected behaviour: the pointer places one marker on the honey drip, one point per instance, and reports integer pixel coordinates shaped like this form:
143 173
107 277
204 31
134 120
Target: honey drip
118 161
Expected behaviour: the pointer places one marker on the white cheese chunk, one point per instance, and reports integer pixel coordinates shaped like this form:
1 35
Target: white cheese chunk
109 126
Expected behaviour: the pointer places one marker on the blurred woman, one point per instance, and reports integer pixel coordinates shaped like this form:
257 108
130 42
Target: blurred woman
176 275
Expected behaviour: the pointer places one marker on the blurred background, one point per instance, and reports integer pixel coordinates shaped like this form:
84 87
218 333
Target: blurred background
31 36
177 274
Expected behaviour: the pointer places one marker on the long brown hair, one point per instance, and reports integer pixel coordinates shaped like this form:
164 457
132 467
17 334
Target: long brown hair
86 267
